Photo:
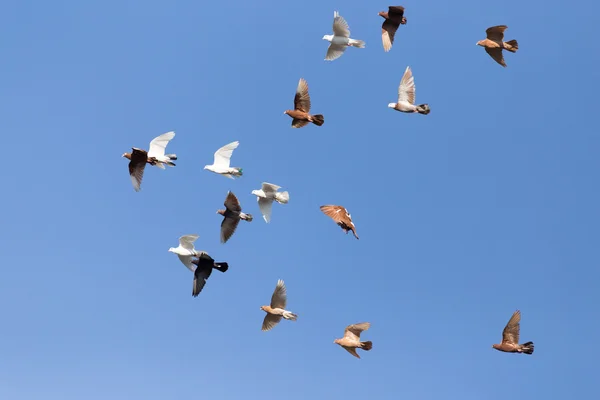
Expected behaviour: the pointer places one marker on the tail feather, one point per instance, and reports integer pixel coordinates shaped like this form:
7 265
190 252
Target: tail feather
221 266
170 164
527 348
511 45
171 156
247 217
423 109
357 43
318 119
282 197
290 315
368 345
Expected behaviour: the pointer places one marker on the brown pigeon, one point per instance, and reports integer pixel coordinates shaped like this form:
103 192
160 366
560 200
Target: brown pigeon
231 216
204 266
351 340
300 113
393 18
510 337
494 43
277 308
154 156
341 217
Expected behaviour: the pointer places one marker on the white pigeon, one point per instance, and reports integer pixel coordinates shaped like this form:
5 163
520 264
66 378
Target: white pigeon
265 197
185 251
157 149
406 96
340 38
222 160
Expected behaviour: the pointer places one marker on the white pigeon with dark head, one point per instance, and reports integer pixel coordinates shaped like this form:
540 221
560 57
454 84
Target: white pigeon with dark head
406 96
340 39
265 197
221 163
185 251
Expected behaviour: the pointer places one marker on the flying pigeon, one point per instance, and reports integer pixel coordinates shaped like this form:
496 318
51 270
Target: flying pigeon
265 197
277 308
341 217
406 96
340 38
155 156
393 18
510 337
351 340
185 251
300 113
231 216
494 43
222 159
204 266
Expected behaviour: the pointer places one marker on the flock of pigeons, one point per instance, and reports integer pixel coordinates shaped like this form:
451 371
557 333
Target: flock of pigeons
202 265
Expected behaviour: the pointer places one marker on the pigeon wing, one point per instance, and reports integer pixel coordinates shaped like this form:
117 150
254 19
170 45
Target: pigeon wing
232 203
223 155
510 334
187 261
406 90
187 241
270 321
396 11
269 187
334 52
201 275
159 144
388 31
496 54
228 227
137 166
353 331
340 26
351 350
302 98
279 297
496 33
265 206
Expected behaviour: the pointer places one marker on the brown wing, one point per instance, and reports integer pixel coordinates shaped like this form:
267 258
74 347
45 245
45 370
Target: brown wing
333 212
396 11
136 167
496 33
228 227
510 334
352 351
496 54
353 331
279 297
232 203
302 98
388 31
299 123
270 321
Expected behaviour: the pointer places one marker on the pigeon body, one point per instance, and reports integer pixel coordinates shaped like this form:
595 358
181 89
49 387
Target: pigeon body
265 197
494 43
393 19
340 39
510 337
155 156
185 251
276 310
341 217
231 216
406 96
222 160
351 340
300 114
204 266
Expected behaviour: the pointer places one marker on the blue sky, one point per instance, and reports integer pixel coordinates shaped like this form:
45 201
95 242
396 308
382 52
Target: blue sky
486 205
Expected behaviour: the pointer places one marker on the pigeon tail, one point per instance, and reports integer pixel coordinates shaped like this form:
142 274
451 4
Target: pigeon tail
282 197
246 217
357 43
171 156
237 172
221 266
368 345
318 119
170 164
423 109
511 45
527 348
290 315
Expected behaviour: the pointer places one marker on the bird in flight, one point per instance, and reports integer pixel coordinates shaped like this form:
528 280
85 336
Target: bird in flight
155 156
510 337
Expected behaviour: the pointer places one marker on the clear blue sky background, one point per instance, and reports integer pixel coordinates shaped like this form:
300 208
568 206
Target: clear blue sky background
487 205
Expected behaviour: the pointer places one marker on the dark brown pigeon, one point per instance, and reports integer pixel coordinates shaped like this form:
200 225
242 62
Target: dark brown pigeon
510 337
393 18
204 266
138 159
494 44
341 217
300 113
231 216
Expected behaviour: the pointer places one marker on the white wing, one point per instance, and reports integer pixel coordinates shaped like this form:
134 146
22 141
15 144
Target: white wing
265 206
269 187
406 90
159 144
223 155
187 261
334 51
340 26
187 242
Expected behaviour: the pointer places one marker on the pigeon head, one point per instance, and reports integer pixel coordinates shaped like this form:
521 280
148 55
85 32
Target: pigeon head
392 105
127 156
222 212
495 346
480 43
336 341
172 249
256 193
263 308
328 37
